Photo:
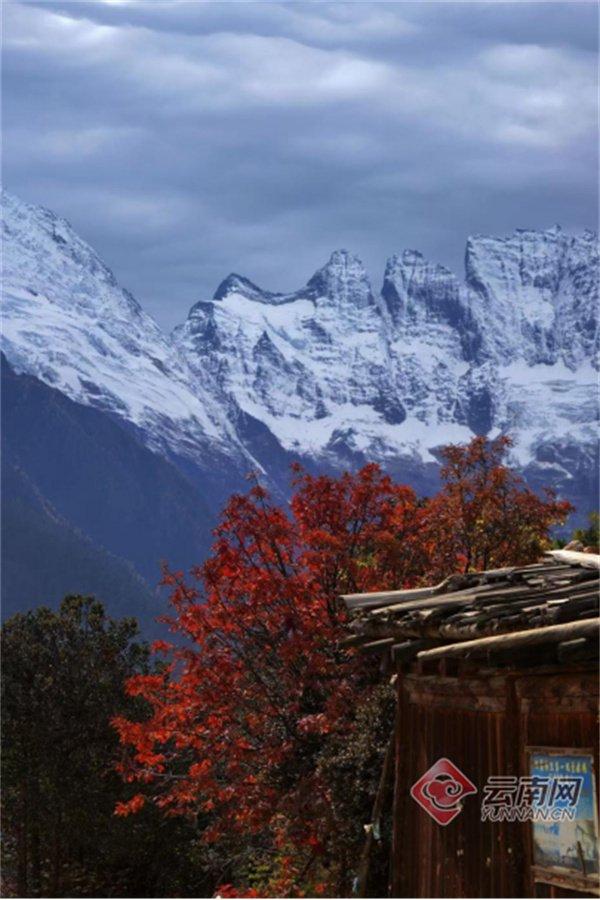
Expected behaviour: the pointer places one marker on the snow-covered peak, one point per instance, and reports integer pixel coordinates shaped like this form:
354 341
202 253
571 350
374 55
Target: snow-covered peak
332 370
237 284
536 294
67 321
416 290
301 363
528 265
329 372
343 281
31 227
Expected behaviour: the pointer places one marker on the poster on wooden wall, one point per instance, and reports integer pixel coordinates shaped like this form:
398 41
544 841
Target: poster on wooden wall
565 835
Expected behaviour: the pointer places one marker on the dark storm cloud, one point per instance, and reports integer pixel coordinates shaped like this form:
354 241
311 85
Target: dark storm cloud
185 139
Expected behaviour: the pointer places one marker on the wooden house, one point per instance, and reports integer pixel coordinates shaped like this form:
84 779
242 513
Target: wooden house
496 675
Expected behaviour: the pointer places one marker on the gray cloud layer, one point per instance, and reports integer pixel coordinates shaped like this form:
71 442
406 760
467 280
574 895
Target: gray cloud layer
187 139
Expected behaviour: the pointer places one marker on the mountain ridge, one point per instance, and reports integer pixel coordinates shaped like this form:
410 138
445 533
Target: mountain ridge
438 346
334 374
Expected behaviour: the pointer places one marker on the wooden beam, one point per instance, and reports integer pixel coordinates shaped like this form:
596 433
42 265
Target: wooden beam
447 586
573 558
355 640
435 601
531 637
377 646
373 600
384 598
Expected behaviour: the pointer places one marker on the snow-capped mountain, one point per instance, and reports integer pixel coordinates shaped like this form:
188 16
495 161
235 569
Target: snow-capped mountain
67 322
335 373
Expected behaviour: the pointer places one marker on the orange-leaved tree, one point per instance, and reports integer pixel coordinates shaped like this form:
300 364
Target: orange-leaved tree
246 705
239 716
485 515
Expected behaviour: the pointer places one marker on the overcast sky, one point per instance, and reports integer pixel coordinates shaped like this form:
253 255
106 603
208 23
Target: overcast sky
186 140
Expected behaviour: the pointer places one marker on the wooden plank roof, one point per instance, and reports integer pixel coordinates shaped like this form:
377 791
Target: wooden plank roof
486 614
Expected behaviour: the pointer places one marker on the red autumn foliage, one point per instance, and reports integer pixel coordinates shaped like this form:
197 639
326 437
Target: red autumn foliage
262 681
228 890
132 806
242 709
485 516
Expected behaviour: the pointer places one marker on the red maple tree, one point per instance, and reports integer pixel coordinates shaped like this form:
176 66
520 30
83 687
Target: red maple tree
485 515
238 715
246 703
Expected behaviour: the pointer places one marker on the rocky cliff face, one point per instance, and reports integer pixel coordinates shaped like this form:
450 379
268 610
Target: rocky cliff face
306 364
335 373
536 296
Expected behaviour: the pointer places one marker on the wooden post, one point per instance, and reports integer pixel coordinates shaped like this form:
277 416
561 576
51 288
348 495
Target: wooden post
395 848
372 828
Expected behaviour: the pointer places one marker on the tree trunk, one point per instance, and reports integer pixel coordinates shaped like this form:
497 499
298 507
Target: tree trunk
56 859
22 835
36 862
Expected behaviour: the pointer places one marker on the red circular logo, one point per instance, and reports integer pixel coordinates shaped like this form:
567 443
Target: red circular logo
441 789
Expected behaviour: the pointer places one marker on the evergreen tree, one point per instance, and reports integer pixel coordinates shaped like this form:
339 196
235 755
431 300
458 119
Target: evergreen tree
590 536
63 676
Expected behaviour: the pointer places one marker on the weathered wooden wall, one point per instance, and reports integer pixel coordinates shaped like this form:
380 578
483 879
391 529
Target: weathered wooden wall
482 724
